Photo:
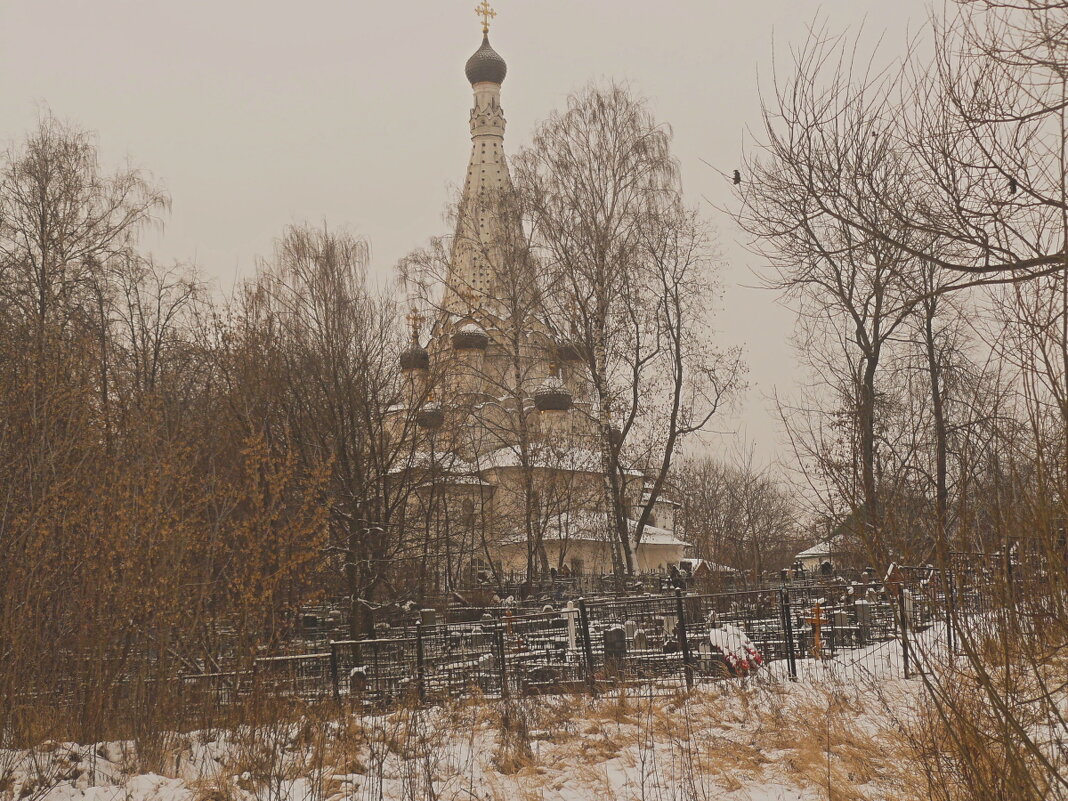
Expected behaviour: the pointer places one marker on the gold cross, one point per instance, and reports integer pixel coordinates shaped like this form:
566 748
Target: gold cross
487 13
415 320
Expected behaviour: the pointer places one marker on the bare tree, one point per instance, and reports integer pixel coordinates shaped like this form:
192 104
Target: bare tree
629 279
61 221
337 343
736 514
921 183
831 155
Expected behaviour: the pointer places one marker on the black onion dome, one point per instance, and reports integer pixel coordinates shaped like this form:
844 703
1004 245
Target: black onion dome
615 435
568 351
415 358
470 337
431 416
552 397
486 65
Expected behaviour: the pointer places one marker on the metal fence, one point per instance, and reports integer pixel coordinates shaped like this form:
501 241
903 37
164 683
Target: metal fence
877 630
813 628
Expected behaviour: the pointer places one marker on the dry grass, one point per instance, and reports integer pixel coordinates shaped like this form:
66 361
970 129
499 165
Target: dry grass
513 751
218 789
834 742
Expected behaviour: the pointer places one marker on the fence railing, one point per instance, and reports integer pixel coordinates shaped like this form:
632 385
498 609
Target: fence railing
878 630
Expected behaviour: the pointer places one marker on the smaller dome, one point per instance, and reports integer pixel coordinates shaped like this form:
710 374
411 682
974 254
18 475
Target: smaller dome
470 337
486 65
415 358
569 351
615 435
553 396
431 416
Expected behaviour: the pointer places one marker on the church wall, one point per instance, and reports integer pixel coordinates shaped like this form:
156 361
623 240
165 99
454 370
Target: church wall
558 492
595 557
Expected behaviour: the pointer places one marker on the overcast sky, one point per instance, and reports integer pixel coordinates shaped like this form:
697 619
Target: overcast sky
258 114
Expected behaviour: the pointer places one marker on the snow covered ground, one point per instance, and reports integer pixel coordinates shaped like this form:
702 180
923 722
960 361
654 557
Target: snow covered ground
752 739
834 733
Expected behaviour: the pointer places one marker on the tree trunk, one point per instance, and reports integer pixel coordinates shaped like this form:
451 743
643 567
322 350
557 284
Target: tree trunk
941 446
871 519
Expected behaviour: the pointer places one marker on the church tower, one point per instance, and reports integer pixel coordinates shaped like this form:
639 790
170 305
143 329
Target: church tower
483 226
489 343
508 458
487 176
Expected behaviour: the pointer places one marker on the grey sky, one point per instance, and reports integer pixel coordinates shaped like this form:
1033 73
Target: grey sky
258 114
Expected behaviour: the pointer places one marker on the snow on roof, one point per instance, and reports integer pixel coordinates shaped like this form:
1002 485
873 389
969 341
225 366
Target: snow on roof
825 548
457 479
652 535
715 567
448 463
583 459
587 526
572 459
662 500
576 459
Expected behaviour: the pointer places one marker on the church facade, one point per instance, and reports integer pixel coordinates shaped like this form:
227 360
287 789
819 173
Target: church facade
509 449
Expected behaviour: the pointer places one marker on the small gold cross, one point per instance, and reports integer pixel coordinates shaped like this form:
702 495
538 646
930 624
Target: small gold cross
415 320
487 13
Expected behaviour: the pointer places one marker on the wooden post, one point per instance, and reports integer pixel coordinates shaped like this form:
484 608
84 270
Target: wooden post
587 645
333 671
903 617
420 678
788 630
499 638
684 642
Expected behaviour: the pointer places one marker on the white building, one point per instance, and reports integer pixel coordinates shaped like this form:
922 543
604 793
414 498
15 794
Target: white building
507 436
812 559
582 542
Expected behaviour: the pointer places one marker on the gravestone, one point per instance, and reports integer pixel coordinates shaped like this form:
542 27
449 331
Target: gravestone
640 640
840 626
571 615
615 650
488 672
631 628
910 607
483 637
704 654
863 610
357 680
670 622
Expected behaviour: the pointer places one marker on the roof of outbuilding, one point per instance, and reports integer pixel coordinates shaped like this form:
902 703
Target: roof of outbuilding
825 548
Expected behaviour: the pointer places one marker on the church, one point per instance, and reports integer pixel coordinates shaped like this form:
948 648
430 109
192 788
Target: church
503 424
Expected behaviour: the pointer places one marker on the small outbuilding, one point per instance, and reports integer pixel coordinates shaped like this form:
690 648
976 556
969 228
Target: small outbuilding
831 550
